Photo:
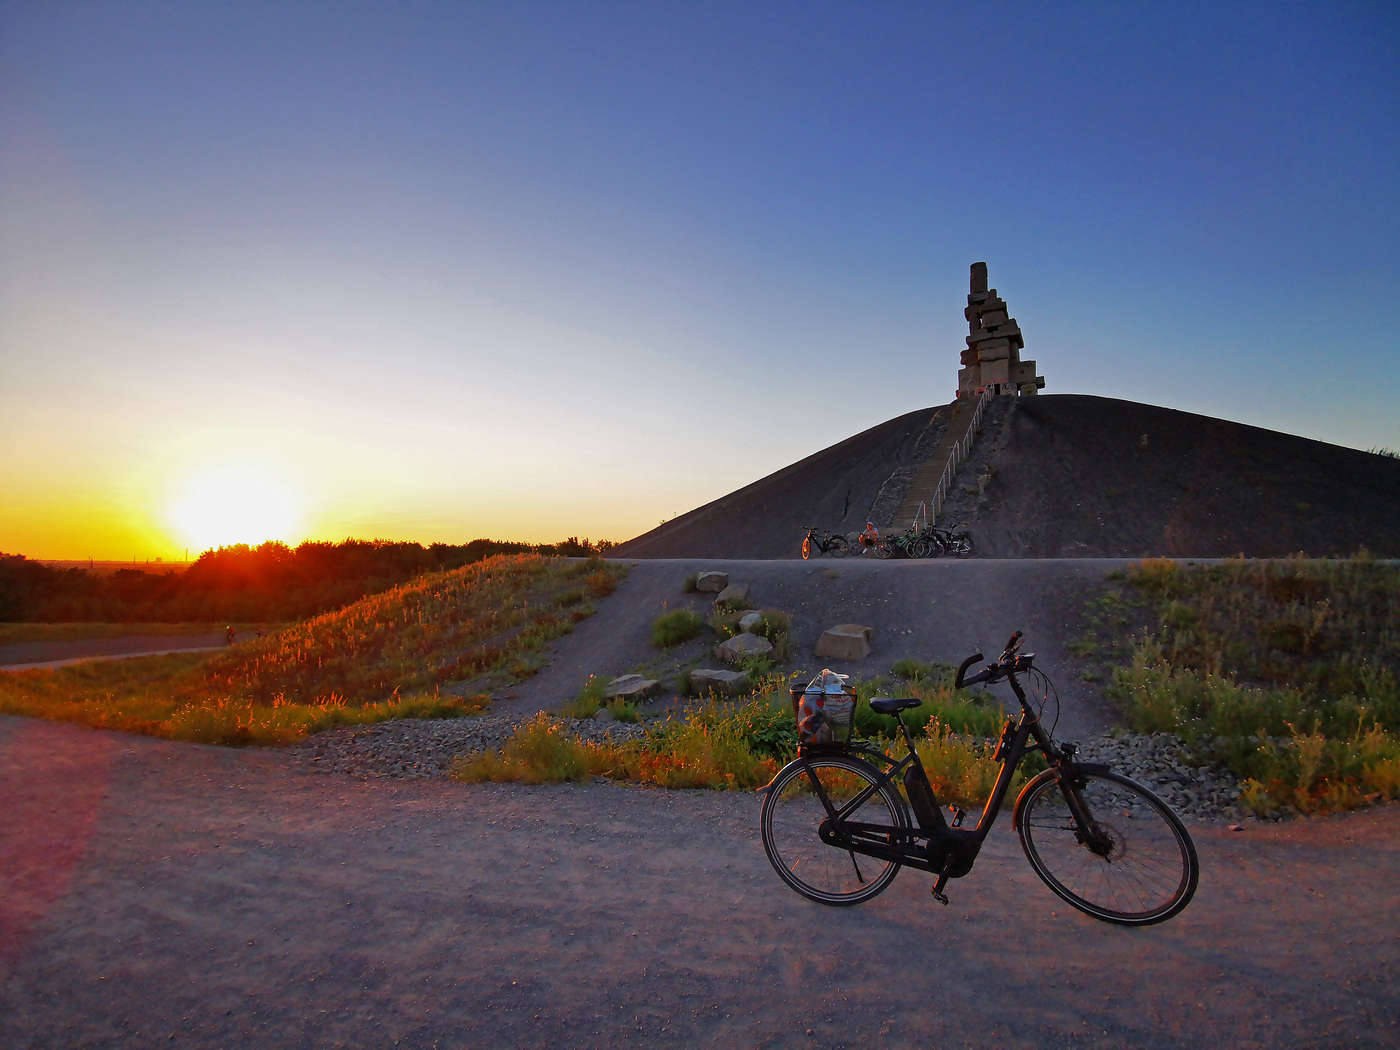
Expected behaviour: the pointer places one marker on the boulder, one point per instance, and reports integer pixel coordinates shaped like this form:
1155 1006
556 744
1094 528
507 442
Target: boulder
750 621
630 687
733 650
726 683
845 641
735 594
711 582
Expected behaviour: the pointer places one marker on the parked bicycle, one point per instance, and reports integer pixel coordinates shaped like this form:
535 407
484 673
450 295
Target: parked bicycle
837 828
956 541
903 545
825 542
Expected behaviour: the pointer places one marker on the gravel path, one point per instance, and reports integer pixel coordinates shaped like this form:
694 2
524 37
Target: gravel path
154 893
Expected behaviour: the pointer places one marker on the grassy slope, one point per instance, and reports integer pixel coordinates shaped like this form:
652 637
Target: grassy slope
1282 671
383 657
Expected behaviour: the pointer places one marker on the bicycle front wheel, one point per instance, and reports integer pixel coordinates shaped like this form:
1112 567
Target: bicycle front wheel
831 787
1135 866
806 547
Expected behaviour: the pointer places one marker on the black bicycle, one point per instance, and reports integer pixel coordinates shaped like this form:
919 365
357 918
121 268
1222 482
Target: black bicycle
832 543
902 545
837 828
956 541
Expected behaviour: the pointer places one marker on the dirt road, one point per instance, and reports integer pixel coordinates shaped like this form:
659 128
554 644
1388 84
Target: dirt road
177 895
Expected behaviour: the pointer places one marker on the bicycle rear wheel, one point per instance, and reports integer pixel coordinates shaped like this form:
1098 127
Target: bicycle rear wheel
809 792
837 546
1137 865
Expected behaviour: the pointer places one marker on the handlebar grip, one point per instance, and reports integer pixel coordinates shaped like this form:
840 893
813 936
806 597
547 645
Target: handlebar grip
962 670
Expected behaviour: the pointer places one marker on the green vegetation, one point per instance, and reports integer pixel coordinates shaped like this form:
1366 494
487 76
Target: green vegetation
593 698
383 657
943 708
1283 671
740 744
674 627
713 746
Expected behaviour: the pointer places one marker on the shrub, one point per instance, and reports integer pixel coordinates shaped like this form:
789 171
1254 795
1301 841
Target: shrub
539 752
591 697
911 670
674 627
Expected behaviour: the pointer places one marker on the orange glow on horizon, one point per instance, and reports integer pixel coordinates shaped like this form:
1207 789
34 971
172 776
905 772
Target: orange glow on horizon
235 504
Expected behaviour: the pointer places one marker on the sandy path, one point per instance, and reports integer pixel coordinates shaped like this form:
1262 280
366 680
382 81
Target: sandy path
162 894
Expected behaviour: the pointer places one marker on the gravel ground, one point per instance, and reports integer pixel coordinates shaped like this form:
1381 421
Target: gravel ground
162 894
415 748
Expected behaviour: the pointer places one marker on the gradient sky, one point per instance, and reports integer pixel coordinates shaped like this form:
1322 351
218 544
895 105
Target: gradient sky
524 270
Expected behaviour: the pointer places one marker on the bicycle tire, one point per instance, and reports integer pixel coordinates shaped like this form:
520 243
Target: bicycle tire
793 814
806 547
1142 870
837 546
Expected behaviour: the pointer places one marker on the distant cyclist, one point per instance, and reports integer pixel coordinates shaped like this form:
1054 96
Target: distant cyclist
870 538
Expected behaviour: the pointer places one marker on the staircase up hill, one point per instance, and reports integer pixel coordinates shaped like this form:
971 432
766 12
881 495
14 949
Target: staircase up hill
925 481
1065 475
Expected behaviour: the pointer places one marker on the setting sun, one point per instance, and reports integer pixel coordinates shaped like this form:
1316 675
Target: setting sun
235 504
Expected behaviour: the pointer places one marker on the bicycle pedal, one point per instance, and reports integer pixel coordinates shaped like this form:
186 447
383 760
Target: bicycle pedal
958 815
941 898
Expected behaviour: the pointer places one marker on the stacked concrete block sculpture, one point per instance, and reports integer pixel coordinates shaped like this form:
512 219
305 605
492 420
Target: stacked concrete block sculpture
994 343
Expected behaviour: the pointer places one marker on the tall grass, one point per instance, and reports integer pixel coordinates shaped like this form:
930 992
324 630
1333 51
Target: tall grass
738 745
707 750
1281 670
386 656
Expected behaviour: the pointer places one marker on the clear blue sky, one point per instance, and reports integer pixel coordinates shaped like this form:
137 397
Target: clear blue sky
438 271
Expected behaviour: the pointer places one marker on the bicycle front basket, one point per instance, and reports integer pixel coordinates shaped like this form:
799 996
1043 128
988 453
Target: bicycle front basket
824 711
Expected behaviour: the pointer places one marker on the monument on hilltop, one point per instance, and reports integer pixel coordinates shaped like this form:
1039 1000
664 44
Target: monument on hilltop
993 355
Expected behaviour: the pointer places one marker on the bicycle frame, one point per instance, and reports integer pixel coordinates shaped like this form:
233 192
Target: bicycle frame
824 541
947 850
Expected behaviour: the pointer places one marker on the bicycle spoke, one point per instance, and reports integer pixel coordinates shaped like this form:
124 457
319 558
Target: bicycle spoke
1136 865
844 795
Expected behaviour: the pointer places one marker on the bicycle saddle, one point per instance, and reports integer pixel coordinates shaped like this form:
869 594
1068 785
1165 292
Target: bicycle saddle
888 705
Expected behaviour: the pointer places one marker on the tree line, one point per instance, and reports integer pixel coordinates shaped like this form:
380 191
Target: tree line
242 583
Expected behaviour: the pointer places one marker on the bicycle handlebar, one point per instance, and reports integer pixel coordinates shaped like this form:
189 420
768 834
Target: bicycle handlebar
1005 664
959 682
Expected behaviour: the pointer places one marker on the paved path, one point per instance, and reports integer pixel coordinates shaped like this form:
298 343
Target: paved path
159 894
40 665
28 656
